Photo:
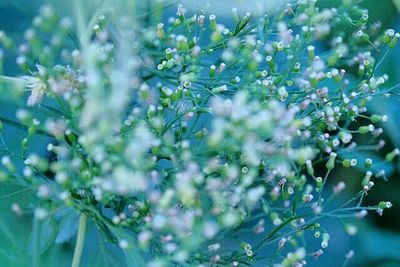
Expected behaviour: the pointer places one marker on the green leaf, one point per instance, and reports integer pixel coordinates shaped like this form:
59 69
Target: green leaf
105 258
68 228
48 233
48 230
397 4
132 253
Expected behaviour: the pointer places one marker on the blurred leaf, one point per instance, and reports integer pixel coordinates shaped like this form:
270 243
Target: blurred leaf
133 255
390 108
397 4
67 228
58 256
105 258
380 244
14 230
47 235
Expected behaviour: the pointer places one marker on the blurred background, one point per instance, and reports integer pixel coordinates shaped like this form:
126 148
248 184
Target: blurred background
377 242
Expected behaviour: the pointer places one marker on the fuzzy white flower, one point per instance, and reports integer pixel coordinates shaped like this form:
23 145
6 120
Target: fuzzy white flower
37 88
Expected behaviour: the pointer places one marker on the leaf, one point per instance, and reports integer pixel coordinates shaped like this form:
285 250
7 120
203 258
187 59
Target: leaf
48 233
48 230
68 228
105 258
397 4
132 253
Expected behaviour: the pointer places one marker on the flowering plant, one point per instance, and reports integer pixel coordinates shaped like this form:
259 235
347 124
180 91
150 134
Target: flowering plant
188 142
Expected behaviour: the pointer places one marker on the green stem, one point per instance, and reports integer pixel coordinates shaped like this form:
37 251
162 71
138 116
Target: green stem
80 240
35 242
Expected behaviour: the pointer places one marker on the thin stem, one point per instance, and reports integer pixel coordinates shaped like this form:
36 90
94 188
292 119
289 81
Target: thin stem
80 240
346 261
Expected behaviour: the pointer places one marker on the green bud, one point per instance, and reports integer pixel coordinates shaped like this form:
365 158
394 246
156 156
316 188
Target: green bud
377 118
71 136
212 71
310 168
366 178
319 182
388 36
347 163
220 89
216 37
182 45
234 81
366 129
274 216
368 162
213 22
151 113
177 22
168 53
24 146
175 96
311 52
32 130
192 43
331 161
317 234
385 205
160 31
390 156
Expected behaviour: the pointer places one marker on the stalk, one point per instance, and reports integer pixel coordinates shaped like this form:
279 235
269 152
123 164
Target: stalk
80 240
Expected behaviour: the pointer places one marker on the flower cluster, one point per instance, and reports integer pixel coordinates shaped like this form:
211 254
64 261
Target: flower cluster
184 131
